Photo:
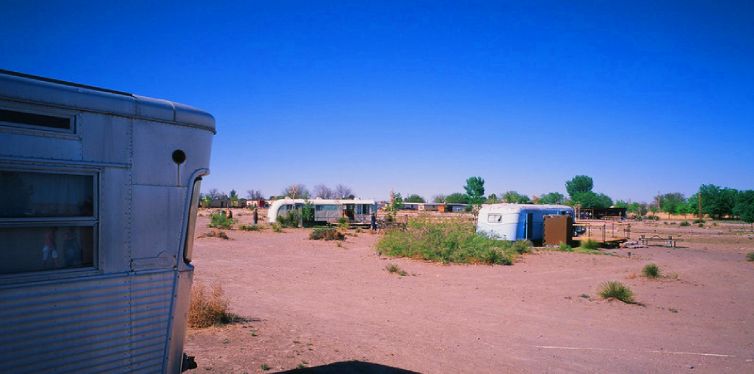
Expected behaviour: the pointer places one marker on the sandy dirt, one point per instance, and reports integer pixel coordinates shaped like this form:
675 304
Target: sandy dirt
313 303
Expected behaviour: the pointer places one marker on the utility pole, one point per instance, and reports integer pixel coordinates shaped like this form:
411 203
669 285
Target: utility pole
699 204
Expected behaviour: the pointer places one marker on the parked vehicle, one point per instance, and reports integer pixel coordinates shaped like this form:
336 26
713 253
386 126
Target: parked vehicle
98 197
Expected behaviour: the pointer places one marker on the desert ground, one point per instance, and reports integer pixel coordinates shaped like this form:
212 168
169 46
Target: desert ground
316 303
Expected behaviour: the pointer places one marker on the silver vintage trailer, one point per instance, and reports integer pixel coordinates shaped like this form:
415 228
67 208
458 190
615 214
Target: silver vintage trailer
98 197
326 210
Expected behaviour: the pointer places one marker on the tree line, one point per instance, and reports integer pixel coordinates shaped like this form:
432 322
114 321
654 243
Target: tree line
293 191
717 202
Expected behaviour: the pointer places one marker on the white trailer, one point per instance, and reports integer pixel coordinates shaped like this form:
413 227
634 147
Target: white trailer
98 197
517 221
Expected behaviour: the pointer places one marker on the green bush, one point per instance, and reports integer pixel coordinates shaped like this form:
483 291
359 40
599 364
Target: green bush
651 271
590 244
452 241
307 214
684 223
276 227
565 247
616 290
289 219
343 223
522 246
221 221
750 256
249 227
326 233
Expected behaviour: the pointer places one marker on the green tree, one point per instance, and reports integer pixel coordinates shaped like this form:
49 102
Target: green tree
516 198
307 214
590 199
475 190
457 198
639 209
579 184
552 198
206 200
233 197
744 207
414 198
692 204
683 209
621 204
397 202
716 201
439 199
492 199
670 202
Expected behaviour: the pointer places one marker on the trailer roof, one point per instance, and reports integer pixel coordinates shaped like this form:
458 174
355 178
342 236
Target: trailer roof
47 91
321 201
507 207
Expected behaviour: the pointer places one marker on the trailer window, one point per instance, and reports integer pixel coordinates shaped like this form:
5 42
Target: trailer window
13 117
47 221
494 218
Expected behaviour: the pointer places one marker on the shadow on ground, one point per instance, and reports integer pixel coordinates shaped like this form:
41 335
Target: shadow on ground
349 367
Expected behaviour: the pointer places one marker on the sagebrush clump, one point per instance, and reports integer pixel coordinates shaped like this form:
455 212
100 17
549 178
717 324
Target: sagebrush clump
326 233
651 271
208 307
750 256
451 241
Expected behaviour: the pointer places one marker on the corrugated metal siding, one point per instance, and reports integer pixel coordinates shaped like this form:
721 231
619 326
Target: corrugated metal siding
98 324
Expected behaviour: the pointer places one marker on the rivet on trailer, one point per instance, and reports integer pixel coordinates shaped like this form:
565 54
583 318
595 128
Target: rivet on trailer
98 197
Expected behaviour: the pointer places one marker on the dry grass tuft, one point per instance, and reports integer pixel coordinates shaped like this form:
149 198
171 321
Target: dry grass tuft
616 290
216 234
395 269
209 307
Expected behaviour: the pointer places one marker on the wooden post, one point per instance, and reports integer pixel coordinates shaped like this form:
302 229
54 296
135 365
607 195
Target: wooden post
699 204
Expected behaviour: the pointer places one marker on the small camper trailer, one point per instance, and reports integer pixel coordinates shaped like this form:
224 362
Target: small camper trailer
517 221
326 210
98 197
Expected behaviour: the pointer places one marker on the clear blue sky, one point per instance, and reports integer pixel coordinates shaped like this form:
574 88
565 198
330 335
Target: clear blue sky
643 96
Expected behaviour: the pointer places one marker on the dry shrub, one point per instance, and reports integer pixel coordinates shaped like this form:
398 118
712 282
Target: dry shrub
326 233
216 234
395 269
209 306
